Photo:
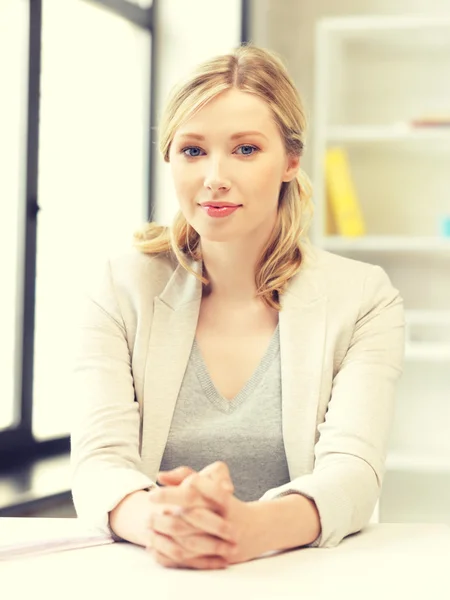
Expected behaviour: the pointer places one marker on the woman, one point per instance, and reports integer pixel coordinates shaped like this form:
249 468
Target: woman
230 352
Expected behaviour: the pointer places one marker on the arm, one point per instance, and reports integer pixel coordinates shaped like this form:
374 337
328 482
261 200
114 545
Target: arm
106 421
351 450
129 520
284 523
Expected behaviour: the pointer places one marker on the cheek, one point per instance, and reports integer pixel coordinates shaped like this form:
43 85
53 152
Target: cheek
188 169
266 181
182 179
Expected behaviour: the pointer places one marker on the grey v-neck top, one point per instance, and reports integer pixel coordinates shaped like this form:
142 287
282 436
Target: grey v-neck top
245 432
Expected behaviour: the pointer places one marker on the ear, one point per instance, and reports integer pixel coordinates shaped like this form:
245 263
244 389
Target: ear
292 167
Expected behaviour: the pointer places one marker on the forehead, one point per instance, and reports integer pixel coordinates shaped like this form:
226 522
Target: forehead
231 111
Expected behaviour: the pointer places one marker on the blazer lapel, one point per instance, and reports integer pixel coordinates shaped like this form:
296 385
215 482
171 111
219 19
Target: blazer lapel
302 338
172 333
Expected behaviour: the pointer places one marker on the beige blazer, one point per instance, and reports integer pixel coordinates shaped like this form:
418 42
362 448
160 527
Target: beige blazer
342 346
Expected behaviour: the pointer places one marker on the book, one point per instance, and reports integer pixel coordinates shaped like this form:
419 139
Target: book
342 198
32 545
432 120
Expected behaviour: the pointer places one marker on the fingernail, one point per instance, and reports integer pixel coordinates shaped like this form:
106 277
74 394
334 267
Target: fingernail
226 485
171 511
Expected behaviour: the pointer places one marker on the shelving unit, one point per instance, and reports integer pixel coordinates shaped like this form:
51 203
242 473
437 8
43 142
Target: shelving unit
387 243
400 132
375 77
413 464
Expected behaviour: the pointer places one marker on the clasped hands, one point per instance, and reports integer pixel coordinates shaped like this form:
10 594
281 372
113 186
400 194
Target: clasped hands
196 522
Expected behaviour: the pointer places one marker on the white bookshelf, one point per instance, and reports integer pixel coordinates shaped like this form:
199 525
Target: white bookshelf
395 132
419 463
373 77
387 243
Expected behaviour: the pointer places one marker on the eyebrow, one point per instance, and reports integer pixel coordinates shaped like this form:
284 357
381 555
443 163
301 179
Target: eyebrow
235 136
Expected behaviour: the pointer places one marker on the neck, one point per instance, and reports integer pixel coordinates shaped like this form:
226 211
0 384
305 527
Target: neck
230 268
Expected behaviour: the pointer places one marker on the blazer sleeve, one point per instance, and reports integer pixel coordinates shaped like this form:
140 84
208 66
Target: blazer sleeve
105 459
351 449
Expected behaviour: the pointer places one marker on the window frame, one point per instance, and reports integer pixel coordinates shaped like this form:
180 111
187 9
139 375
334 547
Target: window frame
17 443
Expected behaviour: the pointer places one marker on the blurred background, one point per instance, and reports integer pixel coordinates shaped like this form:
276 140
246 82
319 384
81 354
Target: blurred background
83 83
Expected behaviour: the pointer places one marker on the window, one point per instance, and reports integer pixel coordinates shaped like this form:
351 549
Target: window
75 122
13 67
74 184
142 3
92 176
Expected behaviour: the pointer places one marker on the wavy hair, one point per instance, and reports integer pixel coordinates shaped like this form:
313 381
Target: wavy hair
261 72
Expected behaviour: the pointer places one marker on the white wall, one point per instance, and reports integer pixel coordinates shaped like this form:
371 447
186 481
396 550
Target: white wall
188 33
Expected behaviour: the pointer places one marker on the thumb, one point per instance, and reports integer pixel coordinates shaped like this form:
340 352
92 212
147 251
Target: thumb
219 471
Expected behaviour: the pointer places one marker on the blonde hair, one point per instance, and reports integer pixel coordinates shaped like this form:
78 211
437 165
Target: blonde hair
261 72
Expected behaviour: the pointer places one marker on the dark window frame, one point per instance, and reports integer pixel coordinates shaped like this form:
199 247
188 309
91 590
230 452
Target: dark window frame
17 444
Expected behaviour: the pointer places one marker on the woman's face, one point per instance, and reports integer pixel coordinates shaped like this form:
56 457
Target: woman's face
228 163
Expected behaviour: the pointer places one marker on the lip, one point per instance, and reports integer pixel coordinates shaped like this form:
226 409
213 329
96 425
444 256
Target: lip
213 204
224 210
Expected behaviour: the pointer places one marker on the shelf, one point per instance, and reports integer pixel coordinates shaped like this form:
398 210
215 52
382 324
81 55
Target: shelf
427 317
422 351
384 74
415 463
401 132
385 243
381 23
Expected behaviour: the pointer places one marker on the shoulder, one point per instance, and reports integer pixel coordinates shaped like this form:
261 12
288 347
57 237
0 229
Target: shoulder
131 273
342 278
134 263
334 267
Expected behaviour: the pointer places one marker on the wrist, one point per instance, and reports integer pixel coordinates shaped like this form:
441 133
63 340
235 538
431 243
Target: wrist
286 522
126 520
261 531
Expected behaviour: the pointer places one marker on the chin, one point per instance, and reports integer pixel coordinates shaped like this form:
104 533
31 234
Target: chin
207 233
215 230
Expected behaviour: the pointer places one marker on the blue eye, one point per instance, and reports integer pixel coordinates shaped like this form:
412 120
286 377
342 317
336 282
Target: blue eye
195 151
248 147
195 148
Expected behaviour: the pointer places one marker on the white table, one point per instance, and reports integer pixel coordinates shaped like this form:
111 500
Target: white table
384 562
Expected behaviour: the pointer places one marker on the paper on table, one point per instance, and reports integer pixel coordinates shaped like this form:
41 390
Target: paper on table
43 545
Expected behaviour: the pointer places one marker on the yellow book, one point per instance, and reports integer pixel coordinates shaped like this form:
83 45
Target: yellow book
342 198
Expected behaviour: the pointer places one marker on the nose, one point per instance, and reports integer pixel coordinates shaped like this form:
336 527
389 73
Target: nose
215 179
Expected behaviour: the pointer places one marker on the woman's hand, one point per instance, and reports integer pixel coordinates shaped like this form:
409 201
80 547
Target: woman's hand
241 520
197 535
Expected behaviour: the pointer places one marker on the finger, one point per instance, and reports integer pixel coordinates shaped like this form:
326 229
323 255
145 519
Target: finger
208 525
173 526
175 476
210 489
179 500
163 560
209 522
166 546
218 471
158 511
178 552
201 562
187 496
207 563
201 544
